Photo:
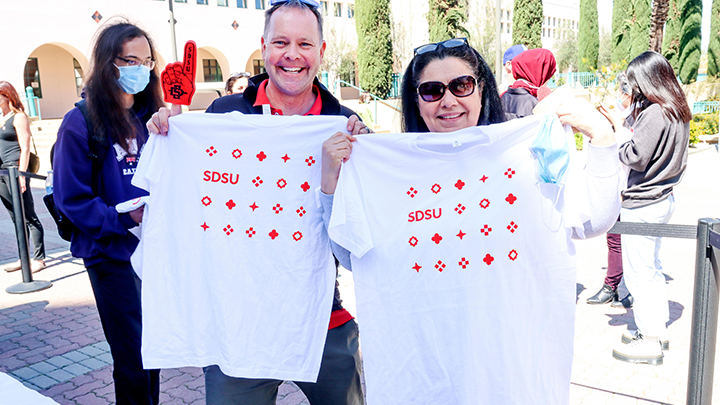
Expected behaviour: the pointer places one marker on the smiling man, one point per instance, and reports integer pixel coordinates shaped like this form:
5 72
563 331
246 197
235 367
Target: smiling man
293 49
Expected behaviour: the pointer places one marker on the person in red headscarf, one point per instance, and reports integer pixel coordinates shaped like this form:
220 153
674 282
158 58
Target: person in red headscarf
531 69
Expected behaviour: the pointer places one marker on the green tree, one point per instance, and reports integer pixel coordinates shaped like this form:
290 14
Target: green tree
714 47
690 36
374 55
446 19
605 51
527 23
640 29
588 35
621 43
671 38
482 29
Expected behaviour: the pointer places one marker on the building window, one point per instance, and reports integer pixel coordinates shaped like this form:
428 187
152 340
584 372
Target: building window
180 1
242 3
258 66
204 2
323 7
338 9
543 33
260 4
507 27
222 3
508 14
351 10
211 71
79 76
502 27
32 77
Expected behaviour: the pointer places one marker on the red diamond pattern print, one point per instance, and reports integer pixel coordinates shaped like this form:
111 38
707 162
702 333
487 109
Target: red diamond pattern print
310 161
206 201
250 232
305 187
509 173
461 234
486 230
281 183
230 204
413 241
228 230
297 236
261 156
273 234
301 211
512 227
437 238
460 209
237 153
513 255
285 158
511 199
204 226
211 151
277 208
460 184
484 178
435 188
463 263
488 259
257 181
417 267
440 266
485 203
412 192
254 206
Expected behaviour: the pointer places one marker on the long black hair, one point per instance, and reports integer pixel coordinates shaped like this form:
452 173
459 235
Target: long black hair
492 111
103 92
653 82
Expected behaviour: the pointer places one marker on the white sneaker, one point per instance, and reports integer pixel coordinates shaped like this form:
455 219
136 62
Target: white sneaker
640 350
629 335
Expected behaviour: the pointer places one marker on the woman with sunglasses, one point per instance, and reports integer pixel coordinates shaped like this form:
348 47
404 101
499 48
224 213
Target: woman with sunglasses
531 70
123 91
509 340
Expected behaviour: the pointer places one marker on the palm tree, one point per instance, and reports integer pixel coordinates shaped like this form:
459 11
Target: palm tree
657 22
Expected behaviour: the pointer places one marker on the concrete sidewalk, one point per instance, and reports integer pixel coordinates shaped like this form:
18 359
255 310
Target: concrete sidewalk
52 340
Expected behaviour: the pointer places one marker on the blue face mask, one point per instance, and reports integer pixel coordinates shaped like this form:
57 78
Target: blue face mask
551 150
133 79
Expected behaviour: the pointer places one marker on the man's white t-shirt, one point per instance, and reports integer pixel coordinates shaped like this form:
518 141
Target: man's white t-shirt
463 266
237 265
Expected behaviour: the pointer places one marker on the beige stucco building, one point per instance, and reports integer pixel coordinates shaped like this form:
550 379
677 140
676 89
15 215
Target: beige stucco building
48 43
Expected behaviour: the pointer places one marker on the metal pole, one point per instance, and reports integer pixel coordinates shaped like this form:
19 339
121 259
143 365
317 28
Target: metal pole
28 285
173 41
704 317
498 43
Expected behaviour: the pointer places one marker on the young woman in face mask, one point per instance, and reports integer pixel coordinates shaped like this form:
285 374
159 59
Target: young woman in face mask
122 92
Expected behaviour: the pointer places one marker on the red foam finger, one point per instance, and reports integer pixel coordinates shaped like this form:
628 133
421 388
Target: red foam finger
190 59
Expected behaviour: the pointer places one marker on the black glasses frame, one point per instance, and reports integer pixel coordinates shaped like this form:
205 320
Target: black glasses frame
425 92
447 44
134 62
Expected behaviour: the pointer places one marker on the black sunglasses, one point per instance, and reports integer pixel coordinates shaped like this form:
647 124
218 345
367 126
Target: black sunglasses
462 86
450 43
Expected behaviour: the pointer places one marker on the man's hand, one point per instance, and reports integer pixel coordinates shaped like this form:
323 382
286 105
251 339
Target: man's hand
178 78
335 150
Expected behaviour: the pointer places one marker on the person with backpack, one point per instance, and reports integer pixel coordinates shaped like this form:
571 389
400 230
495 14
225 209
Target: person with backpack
122 93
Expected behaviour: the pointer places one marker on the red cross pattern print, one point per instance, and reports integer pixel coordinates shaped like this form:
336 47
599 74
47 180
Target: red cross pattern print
251 189
460 227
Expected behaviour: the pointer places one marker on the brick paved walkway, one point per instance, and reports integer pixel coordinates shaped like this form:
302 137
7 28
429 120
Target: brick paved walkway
52 340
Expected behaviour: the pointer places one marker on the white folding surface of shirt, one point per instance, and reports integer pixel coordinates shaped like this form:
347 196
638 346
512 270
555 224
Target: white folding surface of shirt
237 267
463 267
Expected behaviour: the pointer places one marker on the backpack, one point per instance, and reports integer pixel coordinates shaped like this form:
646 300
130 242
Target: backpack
98 146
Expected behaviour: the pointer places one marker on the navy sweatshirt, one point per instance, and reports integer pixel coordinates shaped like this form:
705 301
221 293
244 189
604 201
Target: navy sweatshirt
102 233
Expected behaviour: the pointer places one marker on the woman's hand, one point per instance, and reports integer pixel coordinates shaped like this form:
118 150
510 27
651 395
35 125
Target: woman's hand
335 151
137 214
158 124
582 116
357 127
612 115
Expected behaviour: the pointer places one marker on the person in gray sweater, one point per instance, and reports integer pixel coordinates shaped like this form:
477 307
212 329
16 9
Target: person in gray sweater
656 156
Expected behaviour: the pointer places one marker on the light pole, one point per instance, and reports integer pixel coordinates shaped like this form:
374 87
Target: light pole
173 43
498 51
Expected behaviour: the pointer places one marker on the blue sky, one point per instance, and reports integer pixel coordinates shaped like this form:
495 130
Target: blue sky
605 17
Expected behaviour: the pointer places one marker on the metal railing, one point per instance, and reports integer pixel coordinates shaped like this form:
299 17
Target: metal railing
702 107
703 334
376 99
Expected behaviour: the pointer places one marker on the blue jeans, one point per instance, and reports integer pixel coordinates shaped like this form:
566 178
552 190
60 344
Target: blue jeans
338 382
117 293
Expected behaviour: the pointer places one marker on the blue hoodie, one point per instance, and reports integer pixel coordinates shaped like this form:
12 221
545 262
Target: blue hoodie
102 233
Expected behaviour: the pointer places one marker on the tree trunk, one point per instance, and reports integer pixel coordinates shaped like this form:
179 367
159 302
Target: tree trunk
657 23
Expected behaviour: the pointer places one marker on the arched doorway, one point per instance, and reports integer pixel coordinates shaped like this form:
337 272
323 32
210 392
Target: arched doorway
56 72
212 67
255 64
